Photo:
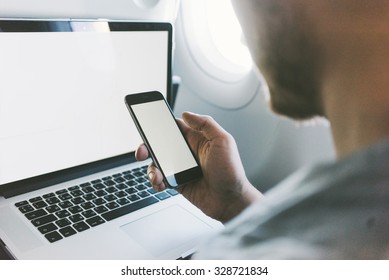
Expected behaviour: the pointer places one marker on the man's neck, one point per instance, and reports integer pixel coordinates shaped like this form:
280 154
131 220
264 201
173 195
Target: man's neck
353 132
356 102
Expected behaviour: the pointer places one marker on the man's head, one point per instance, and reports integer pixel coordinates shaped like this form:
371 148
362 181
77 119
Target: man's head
296 44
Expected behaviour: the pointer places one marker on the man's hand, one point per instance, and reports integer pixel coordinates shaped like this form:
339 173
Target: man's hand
224 190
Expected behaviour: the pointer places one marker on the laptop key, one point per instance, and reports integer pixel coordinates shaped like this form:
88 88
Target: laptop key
94 221
101 193
141 180
99 186
75 209
141 187
63 223
121 186
138 174
48 195
89 196
100 209
35 214
65 196
162 195
26 208
111 189
87 205
131 191
119 180
133 197
144 194
121 194
52 208
151 191
172 192
53 236
110 197
62 214
81 226
52 200
44 220
116 213
112 205
65 204
47 228
99 201
131 183
77 200
88 189
109 183
76 193
88 213
67 231
21 203
129 177
76 218
123 201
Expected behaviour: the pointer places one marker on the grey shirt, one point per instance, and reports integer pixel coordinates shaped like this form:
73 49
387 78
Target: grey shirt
337 210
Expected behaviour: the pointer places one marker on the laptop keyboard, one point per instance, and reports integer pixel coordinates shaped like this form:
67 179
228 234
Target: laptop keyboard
75 209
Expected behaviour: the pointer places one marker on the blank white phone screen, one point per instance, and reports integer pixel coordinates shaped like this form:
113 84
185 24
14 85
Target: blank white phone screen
164 137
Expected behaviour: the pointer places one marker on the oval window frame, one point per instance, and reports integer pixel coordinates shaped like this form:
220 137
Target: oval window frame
223 84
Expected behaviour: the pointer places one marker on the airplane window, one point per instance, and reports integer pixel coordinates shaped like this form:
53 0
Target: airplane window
214 38
226 32
209 43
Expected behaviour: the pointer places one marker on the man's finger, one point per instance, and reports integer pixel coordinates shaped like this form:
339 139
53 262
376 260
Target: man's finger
155 177
204 124
141 153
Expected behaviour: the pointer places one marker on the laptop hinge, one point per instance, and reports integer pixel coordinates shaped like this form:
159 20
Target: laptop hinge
46 180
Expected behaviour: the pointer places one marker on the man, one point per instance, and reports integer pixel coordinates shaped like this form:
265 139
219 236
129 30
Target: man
320 58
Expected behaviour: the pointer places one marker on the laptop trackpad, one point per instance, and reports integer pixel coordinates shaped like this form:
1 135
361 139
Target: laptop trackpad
165 230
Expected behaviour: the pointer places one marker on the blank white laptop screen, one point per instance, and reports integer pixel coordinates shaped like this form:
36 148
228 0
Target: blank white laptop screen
62 94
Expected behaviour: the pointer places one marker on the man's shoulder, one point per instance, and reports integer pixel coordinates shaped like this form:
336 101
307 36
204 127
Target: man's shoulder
332 210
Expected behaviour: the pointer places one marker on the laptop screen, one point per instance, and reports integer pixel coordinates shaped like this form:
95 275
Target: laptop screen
62 88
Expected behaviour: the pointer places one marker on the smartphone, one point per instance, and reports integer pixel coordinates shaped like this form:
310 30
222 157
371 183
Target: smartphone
163 138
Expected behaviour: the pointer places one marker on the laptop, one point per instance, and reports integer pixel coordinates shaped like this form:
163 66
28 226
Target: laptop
70 187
